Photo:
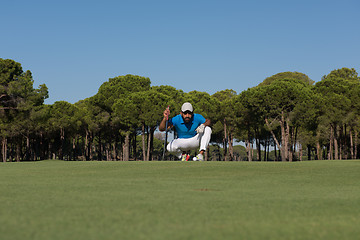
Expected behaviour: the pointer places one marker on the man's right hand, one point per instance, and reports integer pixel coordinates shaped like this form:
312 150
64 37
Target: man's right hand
162 126
167 113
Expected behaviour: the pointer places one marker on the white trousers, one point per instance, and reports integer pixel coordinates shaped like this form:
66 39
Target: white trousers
177 146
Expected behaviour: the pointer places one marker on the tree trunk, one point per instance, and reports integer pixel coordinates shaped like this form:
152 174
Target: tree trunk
27 151
293 142
248 150
345 144
41 147
265 149
248 146
148 157
225 141
143 142
336 146
268 149
18 151
274 137
62 139
108 152
134 147
341 142
126 147
351 144
318 148
4 149
330 155
258 148
283 138
87 147
286 135
100 148
288 142
151 143
231 147
356 144
252 150
91 146
74 148
114 155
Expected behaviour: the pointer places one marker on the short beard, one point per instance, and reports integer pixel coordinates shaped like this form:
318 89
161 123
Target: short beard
187 120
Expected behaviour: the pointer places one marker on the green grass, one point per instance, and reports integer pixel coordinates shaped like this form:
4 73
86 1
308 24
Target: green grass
180 200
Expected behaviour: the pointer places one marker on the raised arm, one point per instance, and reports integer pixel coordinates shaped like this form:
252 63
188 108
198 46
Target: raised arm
162 126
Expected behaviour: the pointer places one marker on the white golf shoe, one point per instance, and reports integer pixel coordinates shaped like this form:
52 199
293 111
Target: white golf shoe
199 157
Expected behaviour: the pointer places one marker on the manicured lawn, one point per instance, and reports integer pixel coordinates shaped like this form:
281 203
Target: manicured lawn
179 200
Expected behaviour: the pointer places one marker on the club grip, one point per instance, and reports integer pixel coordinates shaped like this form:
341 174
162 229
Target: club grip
167 116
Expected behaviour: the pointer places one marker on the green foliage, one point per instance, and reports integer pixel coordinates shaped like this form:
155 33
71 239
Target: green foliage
149 106
224 95
343 73
248 112
225 117
124 106
19 101
118 87
283 95
9 71
62 115
337 94
225 108
175 98
39 118
204 104
287 75
124 113
16 87
93 116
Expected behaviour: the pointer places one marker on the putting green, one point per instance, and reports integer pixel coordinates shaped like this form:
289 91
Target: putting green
180 200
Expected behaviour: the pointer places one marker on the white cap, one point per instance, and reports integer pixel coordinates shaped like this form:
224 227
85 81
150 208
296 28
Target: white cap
187 107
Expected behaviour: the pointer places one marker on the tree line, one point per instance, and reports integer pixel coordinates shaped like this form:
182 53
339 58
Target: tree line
287 115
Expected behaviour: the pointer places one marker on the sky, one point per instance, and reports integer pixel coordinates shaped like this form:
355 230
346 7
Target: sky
75 46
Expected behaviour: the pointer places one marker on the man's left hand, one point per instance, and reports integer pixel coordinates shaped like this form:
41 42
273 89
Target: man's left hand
200 129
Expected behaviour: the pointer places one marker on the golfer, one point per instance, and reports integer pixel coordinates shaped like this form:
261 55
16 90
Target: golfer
192 129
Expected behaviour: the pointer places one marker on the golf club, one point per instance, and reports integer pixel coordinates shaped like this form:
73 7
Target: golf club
166 129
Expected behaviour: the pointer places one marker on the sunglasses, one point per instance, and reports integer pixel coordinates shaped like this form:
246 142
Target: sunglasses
187 112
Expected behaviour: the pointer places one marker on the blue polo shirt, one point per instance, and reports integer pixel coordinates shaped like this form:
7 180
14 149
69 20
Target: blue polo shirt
187 130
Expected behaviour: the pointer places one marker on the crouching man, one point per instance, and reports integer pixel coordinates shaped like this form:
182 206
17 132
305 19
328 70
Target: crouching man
193 132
